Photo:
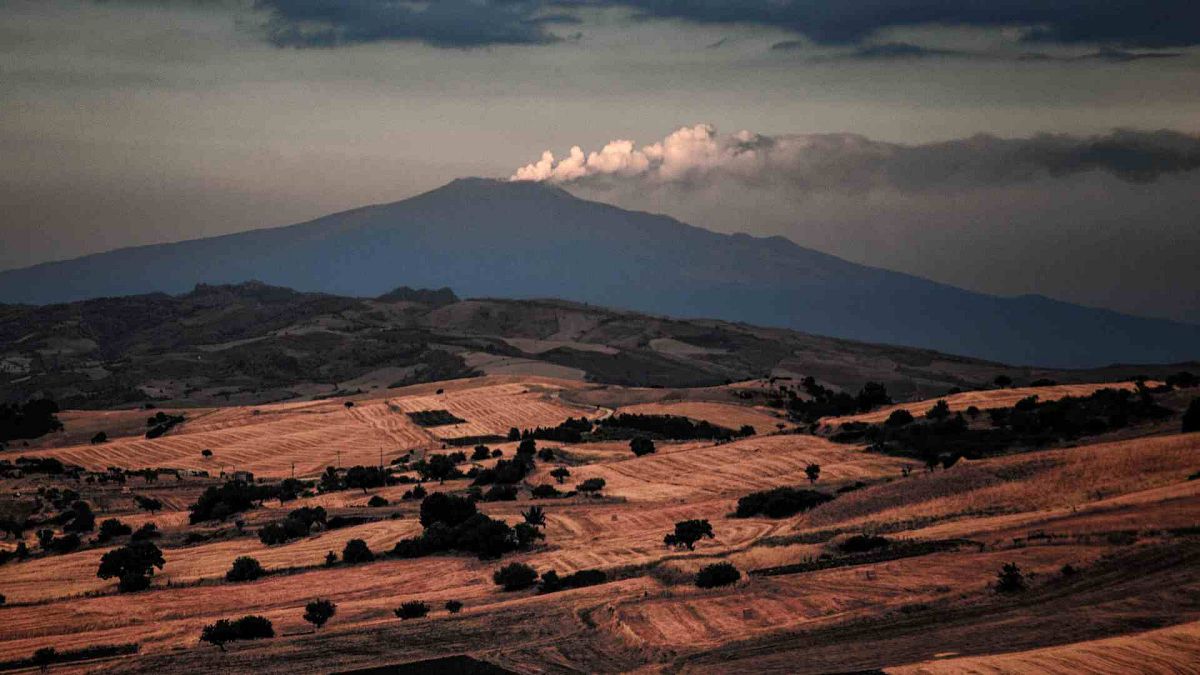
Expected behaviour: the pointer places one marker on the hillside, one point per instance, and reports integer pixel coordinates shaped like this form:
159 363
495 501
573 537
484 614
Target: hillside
1102 530
521 240
254 343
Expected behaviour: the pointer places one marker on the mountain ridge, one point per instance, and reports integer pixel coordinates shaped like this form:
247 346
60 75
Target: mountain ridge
486 237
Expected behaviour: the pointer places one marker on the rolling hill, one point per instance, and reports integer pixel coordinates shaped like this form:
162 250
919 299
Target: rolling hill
521 240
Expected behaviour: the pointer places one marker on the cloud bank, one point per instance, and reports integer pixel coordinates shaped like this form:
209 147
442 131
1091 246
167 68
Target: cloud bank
699 156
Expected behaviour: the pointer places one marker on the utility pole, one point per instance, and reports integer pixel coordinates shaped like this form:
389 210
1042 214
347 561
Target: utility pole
339 459
293 470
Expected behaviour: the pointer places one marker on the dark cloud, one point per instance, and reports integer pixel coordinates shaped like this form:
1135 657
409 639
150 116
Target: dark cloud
1121 23
441 23
888 51
1108 55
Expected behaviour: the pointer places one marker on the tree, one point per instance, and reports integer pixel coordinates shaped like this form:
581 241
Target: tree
1191 418
527 446
330 559
244 568
80 518
720 574
515 576
560 474
132 564
1010 579
318 612
357 551
1003 381
99 438
206 453
813 471
45 656
147 503
939 411
641 446
364 477
413 609
591 486
481 453
535 516
453 606
218 633
747 430
688 532
899 418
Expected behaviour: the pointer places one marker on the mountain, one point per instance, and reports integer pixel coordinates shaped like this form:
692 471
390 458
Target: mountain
524 240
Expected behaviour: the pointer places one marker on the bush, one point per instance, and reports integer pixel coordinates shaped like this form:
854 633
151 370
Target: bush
480 453
147 503
939 411
544 491
515 576
112 528
688 532
245 628
591 486
861 543
450 510
641 446
780 502
79 518
720 574
218 503
132 564
899 418
453 606
318 612
1191 418
377 501
560 474
413 609
1010 579
298 523
552 583
501 493
357 551
244 568
99 438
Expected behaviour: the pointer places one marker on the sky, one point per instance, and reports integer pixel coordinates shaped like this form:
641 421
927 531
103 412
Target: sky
1011 147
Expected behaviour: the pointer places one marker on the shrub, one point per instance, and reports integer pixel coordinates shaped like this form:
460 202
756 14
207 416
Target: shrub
535 516
147 503
330 558
447 509
99 438
79 518
939 411
480 453
501 493
560 474
746 430
813 471
1010 579
546 454
899 418
861 543
1191 418
719 574
688 532
413 609
112 528
357 551
132 564
544 491
591 486
298 523
318 612
780 502
552 583
641 446
515 576
244 568
453 606
245 628
377 501
218 503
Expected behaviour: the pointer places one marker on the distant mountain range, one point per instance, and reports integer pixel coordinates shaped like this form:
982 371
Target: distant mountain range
487 238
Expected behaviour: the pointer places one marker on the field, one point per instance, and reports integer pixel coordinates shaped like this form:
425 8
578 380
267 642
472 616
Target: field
1120 512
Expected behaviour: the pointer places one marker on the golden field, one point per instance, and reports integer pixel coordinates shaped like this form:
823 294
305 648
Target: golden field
1122 512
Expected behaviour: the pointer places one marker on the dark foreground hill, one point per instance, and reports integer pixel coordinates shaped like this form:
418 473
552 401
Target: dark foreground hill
253 343
522 240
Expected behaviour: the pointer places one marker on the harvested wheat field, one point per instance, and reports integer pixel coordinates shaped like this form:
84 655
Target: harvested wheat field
859 561
995 398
